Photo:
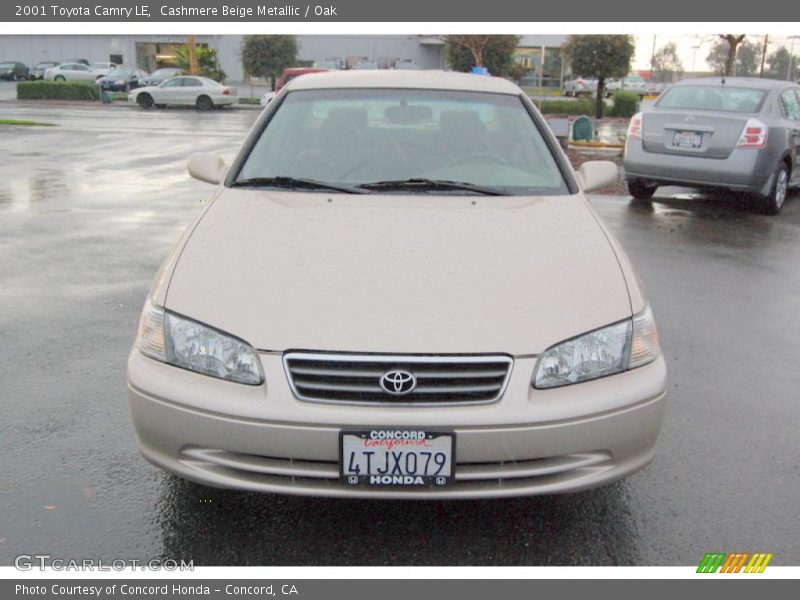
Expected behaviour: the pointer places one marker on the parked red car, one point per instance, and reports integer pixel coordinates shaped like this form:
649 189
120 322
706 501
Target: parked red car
286 77
291 73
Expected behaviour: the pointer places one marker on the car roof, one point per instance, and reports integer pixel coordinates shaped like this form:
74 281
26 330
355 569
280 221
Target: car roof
434 80
751 82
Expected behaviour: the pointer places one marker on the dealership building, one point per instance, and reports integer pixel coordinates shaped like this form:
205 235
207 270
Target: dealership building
149 52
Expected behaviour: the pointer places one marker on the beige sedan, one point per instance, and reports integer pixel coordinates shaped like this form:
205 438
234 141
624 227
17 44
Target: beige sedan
399 290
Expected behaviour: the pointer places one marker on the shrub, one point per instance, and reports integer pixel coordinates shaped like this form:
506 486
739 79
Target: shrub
57 90
625 104
581 106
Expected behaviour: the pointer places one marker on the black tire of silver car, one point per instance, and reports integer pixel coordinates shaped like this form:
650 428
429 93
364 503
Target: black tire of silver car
204 103
773 203
145 101
60 78
640 190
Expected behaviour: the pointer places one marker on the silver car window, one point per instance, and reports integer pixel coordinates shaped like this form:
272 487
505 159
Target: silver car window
712 97
361 136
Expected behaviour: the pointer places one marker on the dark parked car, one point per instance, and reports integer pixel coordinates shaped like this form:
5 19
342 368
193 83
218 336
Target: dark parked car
37 72
122 80
159 76
12 71
740 134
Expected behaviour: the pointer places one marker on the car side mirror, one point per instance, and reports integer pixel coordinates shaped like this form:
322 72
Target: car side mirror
206 167
597 174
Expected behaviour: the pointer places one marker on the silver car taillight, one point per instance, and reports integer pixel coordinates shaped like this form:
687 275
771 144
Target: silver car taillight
635 126
754 135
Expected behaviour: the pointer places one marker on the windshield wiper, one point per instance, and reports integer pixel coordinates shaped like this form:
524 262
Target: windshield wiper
295 182
432 184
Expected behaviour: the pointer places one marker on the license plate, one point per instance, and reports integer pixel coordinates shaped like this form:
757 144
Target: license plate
396 458
687 139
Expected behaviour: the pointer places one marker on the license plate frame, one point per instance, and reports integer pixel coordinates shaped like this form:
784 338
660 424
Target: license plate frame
687 139
391 456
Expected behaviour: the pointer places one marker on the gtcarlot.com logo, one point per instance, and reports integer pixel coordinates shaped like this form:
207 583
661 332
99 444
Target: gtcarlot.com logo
739 562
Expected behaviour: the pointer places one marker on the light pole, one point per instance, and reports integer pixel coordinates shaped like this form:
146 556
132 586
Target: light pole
790 70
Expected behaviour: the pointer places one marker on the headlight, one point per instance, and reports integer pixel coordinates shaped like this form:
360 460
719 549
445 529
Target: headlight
190 345
613 349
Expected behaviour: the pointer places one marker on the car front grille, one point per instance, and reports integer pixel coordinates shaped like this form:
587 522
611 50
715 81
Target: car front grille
357 378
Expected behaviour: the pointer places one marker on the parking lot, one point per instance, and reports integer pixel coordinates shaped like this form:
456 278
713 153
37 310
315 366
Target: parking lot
89 209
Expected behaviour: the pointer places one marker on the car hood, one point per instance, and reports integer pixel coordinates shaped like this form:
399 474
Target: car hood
405 274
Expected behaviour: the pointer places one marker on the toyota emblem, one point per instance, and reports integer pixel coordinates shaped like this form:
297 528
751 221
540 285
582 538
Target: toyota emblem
398 382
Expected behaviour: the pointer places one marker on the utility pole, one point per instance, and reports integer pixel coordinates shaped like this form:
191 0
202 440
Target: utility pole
764 55
193 55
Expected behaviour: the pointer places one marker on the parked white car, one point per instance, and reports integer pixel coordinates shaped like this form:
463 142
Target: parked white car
72 72
104 68
635 84
200 92
580 86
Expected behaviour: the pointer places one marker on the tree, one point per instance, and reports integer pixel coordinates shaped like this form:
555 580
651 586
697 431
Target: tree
495 52
666 63
745 60
600 56
723 55
268 55
517 71
207 62
781 65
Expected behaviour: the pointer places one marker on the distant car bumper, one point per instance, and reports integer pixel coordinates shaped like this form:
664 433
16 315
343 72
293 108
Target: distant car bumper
746 169
114 87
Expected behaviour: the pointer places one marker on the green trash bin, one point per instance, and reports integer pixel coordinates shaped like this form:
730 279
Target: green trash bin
583 129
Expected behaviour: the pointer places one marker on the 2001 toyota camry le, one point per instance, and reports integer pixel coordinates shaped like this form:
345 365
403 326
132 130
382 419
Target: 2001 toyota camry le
398 291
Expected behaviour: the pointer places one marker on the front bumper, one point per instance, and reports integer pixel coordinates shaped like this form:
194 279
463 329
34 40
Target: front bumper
262 438
114 87
745 169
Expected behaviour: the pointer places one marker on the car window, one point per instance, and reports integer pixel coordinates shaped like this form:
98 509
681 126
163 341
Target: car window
192 82
359 136
718 97
790 105
80 68
176 82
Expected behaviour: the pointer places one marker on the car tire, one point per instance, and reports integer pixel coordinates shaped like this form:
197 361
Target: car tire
160 105
772 204
59 78
640 190
204 103
145 101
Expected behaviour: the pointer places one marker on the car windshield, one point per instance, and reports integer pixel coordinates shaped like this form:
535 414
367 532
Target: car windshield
164 73
717 97
119 73
352 137
6 65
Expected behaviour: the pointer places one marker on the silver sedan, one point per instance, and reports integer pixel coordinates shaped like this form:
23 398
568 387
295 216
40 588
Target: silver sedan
201 92
741 134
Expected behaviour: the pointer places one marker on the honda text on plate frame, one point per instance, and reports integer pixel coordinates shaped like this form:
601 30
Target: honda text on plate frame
399 290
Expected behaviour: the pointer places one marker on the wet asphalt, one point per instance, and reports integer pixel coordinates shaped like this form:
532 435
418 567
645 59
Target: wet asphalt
89 209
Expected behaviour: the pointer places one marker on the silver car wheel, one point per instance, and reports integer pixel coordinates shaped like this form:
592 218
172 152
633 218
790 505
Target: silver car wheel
780 187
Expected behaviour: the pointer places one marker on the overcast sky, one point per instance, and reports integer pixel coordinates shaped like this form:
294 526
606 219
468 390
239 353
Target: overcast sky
693 49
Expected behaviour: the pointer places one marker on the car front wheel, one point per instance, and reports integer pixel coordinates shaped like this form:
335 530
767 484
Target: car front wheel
145 101
773 203
60 78
640 190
